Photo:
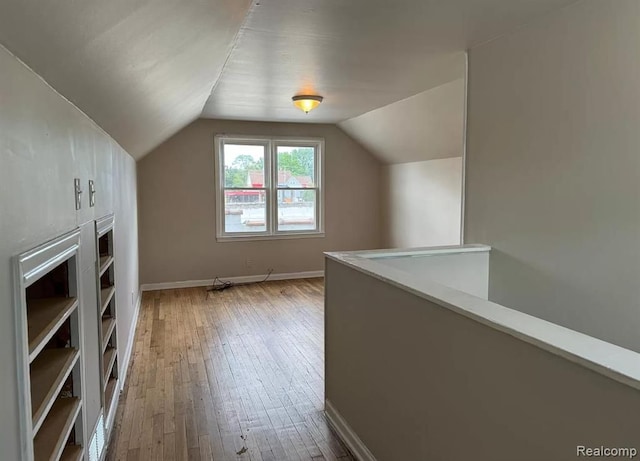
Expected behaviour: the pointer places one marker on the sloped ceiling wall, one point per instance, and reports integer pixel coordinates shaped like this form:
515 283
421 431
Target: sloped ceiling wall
142 70
426 126
359 54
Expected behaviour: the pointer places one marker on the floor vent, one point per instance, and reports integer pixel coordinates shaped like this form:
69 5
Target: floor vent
96 447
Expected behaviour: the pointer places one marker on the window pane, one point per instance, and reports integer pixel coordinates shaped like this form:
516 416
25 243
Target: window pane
296 166
245 210
243 165
296 210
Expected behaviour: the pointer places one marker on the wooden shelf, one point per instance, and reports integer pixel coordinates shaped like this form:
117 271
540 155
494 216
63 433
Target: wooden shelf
107 310
50 441
105 296
72 453
49 371
108 324
108 359
105 262
109 393
44 317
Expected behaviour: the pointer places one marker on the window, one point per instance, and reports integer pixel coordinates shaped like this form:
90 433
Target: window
268 187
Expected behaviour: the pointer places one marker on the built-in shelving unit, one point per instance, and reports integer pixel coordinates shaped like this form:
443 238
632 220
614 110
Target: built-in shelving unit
107 310
108 327
48 372
105 263
72 453
49 350
110 355
110 389
50 441
44 318
106 294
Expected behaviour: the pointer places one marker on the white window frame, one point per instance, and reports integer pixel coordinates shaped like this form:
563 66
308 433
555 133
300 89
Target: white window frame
270 187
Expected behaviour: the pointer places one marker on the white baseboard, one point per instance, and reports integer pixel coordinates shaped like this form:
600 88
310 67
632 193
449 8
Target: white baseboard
346 434
132 339
241 279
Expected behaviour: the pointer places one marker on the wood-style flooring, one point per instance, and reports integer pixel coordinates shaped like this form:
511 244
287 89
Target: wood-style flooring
231 375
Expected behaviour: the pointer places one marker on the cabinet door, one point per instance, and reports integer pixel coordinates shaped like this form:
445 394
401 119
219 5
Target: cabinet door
84 167
103 179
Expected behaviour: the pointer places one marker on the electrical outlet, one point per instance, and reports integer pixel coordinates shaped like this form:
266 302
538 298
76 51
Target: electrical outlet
248 263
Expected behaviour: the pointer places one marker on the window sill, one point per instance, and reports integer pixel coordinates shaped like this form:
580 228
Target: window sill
251 238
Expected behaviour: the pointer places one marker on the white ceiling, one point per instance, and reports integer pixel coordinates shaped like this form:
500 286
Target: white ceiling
141 69
144 69
358 54
426 126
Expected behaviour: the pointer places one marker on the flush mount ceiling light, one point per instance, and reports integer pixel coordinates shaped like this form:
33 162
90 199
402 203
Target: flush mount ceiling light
306 102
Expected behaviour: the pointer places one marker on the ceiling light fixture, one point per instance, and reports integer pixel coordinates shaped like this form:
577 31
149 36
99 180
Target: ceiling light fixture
306 102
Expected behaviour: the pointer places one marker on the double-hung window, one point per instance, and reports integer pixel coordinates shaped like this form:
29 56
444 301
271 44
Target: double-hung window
268 187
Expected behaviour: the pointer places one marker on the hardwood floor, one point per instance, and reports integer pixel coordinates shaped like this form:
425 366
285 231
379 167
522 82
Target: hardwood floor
231 375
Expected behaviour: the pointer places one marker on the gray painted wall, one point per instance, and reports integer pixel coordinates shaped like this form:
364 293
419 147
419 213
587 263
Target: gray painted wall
416 381
44 143
553 169
422 203
177 206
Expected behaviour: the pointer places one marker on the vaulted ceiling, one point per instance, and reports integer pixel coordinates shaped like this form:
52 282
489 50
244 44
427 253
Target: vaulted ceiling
140 69
144 69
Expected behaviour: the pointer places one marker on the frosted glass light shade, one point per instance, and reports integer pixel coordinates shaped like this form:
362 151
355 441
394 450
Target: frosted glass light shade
306 102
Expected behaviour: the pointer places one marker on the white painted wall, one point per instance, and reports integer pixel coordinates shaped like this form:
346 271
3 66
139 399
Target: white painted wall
422 203
426 126
44 143
553 167
468 272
